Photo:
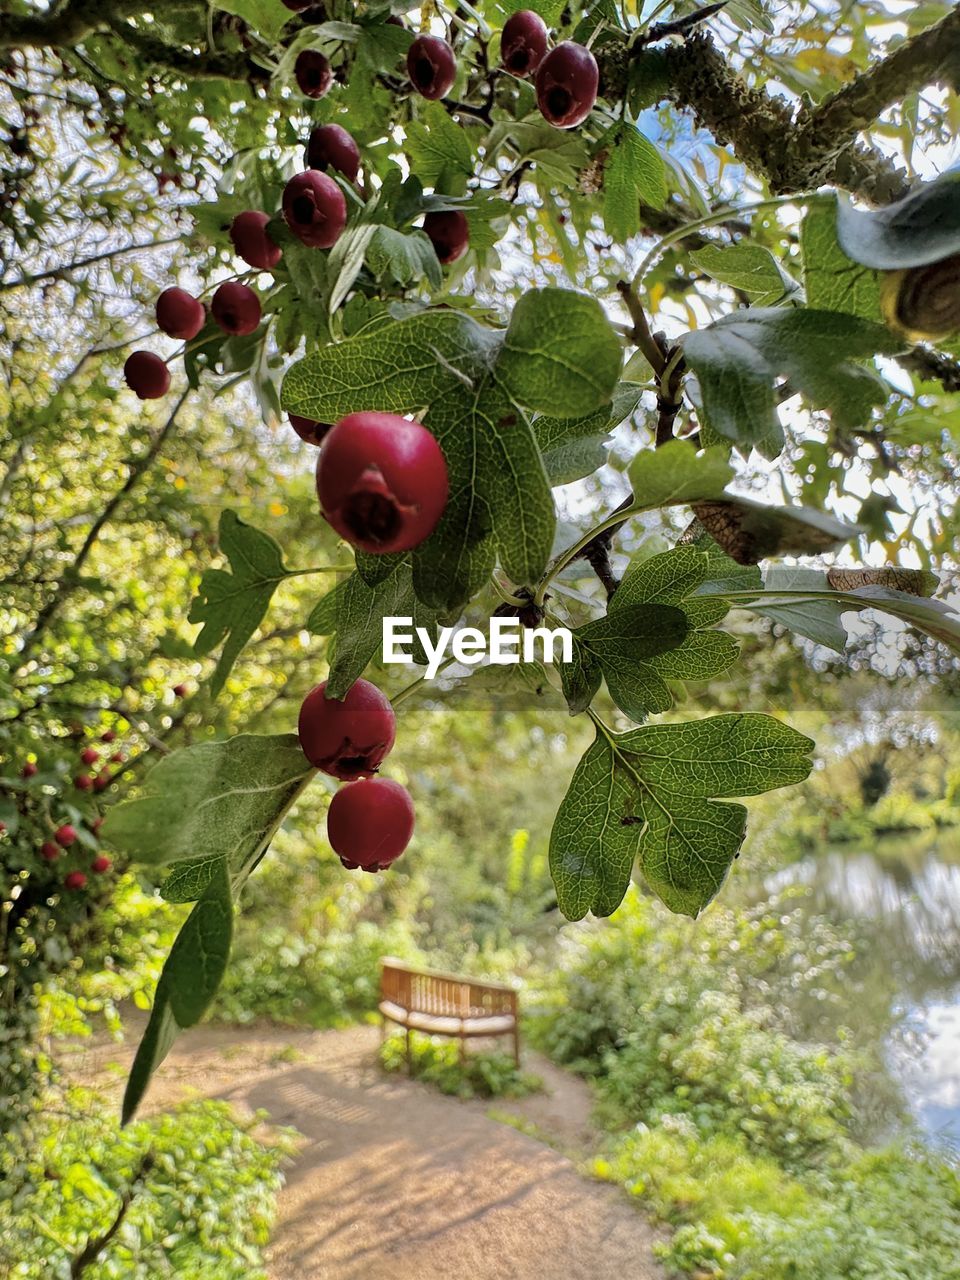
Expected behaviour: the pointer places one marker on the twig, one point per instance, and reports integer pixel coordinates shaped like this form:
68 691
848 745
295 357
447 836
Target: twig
96 1244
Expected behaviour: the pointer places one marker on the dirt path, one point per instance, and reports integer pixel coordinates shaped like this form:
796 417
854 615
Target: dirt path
395 1180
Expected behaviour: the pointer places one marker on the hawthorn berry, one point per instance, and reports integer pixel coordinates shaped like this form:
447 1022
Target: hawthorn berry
309 430
65 835
331 147
567 82
101 864
101 782
108 735
146 375
369 823
236 308
89 755
83 782
49 851
523 42
75 880
179 690
450 233
3 827
251 240
180 314
96 824
382 482
313 73
117 758
431 66
315 209
347 739
28 770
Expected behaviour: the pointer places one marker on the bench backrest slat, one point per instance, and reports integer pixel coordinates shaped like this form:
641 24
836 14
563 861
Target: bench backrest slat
444 994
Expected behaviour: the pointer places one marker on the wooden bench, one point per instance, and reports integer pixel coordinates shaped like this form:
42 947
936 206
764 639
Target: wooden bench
446 1004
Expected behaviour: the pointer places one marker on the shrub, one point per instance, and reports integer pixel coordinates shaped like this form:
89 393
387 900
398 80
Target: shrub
482 1075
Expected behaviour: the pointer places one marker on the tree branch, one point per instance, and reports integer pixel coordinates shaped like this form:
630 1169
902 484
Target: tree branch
933 366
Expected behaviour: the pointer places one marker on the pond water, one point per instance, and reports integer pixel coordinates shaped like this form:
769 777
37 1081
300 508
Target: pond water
901 903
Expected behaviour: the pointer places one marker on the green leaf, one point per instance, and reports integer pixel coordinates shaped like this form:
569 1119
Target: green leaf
819 620
355 611
738 359
439 150
269 17
634 173
620 643
660 793
922 228
471 383
189 981
560 355
576 447
213 803
832 281
234 604
345 262
404 257
750 268
677 475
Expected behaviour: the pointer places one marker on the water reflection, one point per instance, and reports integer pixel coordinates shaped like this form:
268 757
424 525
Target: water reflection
902 902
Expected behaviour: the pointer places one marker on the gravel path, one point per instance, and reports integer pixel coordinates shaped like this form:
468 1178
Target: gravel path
394 1180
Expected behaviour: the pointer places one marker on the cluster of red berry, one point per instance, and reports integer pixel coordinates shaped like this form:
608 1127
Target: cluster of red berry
370 821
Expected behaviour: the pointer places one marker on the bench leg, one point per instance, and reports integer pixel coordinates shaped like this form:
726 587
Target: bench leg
516 1044
409 1055
463 1051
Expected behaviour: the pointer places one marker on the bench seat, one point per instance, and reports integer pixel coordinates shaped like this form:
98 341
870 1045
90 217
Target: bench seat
438 1025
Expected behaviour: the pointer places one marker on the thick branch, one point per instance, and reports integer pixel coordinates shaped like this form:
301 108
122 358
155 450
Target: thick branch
930 57
933 366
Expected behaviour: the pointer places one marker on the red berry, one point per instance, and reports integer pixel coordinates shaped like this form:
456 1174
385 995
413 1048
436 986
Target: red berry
381 481
331 147
180 314
96 824
117 758
3 827
146 375
101 782
252 242
65 835
567 82
108 735
431 66
236 308
49 851
449 232
89 755
297 5
83 782
523 42
75 880
315 209
101 864
180 690
28 770
369 823
309 430
313 73
348 739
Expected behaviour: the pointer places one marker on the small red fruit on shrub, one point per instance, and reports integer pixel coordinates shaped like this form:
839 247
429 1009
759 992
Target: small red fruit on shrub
431 66
369 823
65 835
450 233
96 824
89 755
331 147
101 864
348 739
382 482
108 735
29 770
180 690
146 375
315 209
101 782
236 308
117 758
49 851
523 42
567 82
250 238
180 314
309 430
75 880
83 782
3 827
313 73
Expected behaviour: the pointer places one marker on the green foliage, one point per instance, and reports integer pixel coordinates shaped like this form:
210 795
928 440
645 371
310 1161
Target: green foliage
202 1193
634 174
438 1062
